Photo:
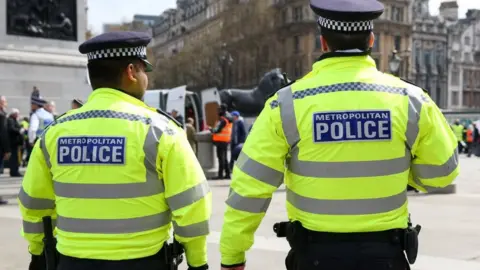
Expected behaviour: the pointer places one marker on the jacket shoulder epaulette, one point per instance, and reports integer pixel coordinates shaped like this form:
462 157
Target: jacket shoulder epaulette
409 82
286 85
169 117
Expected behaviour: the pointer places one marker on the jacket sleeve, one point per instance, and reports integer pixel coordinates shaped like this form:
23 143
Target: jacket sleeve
36 199
187 194
435 161
4 144
221 124
258 172
33 127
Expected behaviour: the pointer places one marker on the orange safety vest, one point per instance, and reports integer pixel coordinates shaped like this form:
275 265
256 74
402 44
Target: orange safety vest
225 134
469 135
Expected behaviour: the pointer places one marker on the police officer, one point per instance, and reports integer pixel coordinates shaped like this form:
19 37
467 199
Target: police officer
221 137
347 139
116 174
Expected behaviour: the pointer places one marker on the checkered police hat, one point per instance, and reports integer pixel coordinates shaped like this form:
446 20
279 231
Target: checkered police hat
339 26
117 45
346 15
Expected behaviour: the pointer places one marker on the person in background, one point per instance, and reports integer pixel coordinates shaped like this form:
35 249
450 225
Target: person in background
39 120
458 131
4 145
51 108
15 138
35 92
24 153
190 129
239 135
76 103
221 136
177 116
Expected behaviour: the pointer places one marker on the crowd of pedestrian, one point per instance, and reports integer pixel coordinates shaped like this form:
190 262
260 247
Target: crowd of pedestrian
19 134
468 137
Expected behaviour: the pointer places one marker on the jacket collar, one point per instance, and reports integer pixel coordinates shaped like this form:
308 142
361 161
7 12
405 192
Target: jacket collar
341 60
111 93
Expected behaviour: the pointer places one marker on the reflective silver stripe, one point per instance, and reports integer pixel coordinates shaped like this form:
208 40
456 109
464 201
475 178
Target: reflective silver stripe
414 110
346 207
35 227
287 114
35 203
43 147
114 226
188 196
345 169
248 204
425 171
193 230
152 186
259 171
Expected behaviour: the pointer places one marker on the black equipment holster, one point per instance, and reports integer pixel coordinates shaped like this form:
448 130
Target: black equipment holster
50 244
174 254
298 237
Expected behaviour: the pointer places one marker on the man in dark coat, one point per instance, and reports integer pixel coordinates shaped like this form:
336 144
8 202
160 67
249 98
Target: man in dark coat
15 138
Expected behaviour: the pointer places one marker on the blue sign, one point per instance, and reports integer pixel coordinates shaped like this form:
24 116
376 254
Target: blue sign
352 126
91 150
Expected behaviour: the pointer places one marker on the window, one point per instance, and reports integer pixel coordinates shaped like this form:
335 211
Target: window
454 98
467 57
428 62
296 44
467 40
455 78
297 14
396 14
456 55
397 41
284 16
376 44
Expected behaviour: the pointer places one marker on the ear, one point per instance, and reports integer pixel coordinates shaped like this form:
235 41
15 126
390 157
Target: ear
372 40
131 73
323 42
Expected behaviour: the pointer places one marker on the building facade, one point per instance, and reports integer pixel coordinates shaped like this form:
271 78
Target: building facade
464 62
294 41
429 55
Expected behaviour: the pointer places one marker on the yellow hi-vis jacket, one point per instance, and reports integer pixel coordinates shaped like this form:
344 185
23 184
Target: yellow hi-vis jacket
458 131
115 175
345 151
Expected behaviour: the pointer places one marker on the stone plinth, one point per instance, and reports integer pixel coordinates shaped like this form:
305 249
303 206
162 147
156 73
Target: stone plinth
54 66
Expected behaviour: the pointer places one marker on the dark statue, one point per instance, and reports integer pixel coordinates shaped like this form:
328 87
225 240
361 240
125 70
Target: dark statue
53 19
251 102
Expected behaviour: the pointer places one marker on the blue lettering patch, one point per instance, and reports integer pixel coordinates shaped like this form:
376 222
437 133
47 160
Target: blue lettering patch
352 126
91 150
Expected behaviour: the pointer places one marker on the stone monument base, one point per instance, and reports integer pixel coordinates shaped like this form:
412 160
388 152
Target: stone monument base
59 75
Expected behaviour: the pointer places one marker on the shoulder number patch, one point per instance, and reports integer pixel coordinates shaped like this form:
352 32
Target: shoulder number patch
375 125
91 150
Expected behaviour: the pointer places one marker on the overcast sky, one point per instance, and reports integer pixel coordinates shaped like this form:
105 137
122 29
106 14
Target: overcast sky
114 11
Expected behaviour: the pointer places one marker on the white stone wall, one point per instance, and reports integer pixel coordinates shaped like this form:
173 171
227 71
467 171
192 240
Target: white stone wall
54 66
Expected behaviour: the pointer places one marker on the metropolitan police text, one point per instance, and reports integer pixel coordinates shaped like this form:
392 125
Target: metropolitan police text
352 126
91 150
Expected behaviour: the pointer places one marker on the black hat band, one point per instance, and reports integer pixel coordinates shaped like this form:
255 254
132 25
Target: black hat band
360 26
140 52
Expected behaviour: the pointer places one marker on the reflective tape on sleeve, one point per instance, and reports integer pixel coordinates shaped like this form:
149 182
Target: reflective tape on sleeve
193 230
259 171
35 227
426 171
35 203
248 204
346 206
189 196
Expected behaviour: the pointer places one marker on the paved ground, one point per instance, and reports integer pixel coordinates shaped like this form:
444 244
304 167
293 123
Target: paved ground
450 237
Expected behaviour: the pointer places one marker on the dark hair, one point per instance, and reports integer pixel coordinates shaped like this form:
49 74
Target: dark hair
108 72
346 41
